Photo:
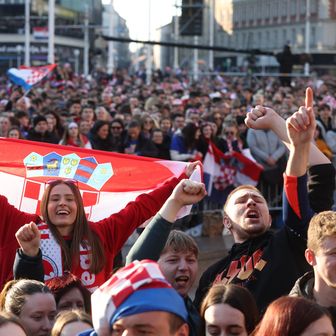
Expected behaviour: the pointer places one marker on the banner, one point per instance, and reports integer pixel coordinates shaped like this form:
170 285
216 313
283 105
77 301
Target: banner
29 76
107 181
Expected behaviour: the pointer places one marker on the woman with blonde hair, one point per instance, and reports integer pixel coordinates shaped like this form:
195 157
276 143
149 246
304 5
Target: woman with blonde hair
33 303
71 323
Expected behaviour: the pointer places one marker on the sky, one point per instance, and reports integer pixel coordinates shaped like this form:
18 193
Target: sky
136 14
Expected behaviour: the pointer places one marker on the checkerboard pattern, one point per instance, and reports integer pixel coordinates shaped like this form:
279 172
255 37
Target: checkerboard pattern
35 77
226 177
138 274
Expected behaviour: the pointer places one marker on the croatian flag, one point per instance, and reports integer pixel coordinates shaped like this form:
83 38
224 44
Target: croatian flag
107 181
27 77
223 172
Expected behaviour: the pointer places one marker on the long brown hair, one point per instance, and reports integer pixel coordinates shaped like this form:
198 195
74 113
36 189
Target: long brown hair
82 234
235 296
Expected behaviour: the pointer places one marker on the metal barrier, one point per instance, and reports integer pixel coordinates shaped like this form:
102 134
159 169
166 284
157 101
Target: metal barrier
272 194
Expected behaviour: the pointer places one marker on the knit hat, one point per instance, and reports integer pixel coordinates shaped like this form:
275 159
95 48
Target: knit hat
39 118
137 288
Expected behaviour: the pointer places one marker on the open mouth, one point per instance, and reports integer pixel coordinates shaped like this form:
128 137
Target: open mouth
62 212
252 214
182 279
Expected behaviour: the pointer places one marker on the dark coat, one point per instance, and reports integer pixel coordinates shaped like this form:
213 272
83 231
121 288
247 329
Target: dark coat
46 137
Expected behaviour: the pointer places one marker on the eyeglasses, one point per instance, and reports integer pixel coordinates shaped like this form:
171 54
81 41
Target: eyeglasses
116 127
229 133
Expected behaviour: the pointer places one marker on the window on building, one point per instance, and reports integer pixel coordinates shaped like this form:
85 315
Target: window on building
293 7
293 39
302 6
243 11
284 36
259 40
267 9
283 7
259 13
267 39
313 6
275 8
250 41
313 37
303 33
243 40
237 13
229 40
275 39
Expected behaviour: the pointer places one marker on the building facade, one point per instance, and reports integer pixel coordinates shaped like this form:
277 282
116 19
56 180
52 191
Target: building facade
69 31
114 54
266 25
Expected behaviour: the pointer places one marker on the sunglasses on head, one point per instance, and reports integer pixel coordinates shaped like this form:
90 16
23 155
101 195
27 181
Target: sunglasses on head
67 181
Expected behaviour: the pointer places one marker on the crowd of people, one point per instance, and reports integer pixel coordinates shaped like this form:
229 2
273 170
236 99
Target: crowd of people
172 118
271 282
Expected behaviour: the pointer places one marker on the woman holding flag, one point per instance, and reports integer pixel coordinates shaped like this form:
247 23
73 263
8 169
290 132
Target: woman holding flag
68 241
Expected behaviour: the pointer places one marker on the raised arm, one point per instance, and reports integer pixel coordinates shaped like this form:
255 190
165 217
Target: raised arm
119 226
11 220
28 260
300 130
266 118
153 239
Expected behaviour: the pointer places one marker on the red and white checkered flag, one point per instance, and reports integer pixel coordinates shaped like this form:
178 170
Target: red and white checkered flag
29 76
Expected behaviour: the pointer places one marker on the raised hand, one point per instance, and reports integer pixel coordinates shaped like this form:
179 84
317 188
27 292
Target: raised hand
188 192
191 167
301 125
261 118
29 237
309 101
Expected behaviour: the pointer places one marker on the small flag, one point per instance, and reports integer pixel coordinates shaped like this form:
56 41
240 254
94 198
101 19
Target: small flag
224 170
27 77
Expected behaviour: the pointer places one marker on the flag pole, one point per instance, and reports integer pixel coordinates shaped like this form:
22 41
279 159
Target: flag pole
51 30
27 33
